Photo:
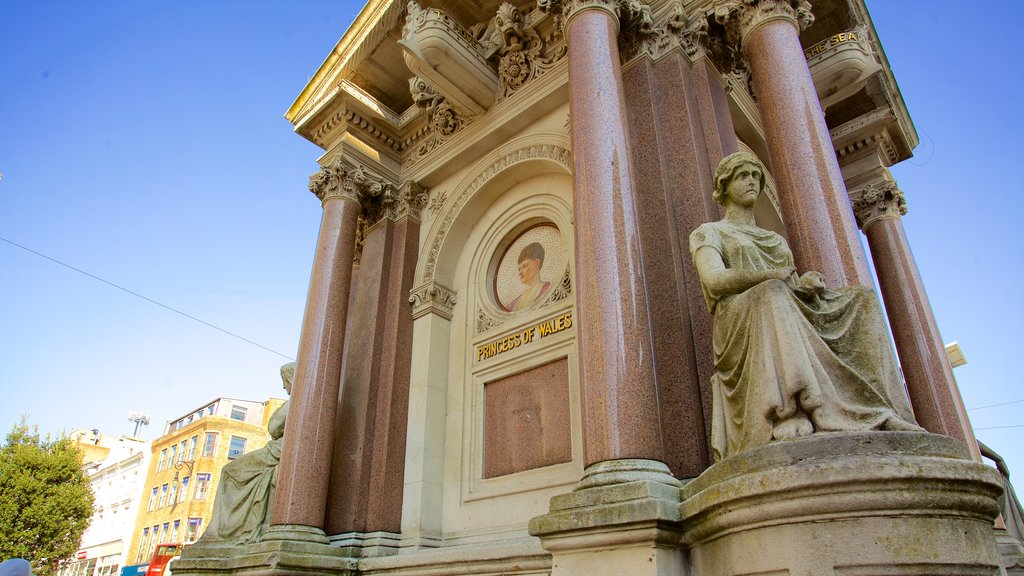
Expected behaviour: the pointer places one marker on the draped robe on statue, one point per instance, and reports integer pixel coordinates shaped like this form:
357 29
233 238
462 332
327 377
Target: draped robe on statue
780 348
245 496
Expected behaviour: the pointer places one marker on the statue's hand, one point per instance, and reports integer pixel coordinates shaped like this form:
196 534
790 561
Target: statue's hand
810 286
784 274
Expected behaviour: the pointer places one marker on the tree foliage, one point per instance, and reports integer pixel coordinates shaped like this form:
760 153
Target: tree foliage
45 499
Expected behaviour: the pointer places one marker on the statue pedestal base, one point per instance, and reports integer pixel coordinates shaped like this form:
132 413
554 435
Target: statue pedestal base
873 503
266 558
623 518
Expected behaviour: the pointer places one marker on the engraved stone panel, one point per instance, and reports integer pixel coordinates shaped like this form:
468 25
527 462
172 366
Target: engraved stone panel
526 420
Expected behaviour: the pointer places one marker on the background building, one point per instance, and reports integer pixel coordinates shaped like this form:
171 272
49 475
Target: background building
178 493
116 467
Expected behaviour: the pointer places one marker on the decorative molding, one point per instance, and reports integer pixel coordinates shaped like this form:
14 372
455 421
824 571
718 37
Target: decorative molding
437 202
875 202
443 121
741 17
865 132
512 38
564 288
432 298
484 322
342 178
549 151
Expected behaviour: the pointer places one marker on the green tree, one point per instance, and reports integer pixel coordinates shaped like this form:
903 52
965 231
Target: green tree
45 499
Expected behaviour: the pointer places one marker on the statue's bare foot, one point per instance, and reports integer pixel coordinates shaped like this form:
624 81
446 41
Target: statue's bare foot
897 425
795 426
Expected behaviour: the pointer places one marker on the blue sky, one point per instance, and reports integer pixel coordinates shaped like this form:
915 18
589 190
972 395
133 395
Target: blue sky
144 142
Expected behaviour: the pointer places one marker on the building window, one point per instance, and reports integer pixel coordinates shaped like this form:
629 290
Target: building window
181 450
160 462
174 494
152 498
202 485
152 543
192 448
210 409
183 495
236 448
192 531
163 497
174 530
174 451
142 544
238 413
164 533
211 444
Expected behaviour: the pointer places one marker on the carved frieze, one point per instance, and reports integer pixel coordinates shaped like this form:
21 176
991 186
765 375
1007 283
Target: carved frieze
432 298
740 17
875 202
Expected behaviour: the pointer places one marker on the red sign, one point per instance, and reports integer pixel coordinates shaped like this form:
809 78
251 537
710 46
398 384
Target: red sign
82 554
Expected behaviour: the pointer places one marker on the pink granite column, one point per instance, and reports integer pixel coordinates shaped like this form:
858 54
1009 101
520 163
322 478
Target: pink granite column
931 386
620 401
300 499
815 207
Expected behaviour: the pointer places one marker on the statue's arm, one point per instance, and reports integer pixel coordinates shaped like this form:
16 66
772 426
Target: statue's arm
721 281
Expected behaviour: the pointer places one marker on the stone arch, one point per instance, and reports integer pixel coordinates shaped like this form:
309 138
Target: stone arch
509 164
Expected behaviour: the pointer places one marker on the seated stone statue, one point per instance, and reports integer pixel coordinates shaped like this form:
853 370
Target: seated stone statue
245 495
791 356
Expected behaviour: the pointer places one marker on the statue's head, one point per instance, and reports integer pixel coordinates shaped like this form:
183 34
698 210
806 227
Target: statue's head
287 374
727 168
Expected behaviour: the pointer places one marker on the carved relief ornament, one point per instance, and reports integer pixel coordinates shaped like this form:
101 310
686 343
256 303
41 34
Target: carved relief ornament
741 17
678 31
432 298
342 178
876 202
634 17
511 37
405 201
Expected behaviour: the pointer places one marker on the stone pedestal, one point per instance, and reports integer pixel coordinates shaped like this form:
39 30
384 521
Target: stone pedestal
623 518
287 556
873 503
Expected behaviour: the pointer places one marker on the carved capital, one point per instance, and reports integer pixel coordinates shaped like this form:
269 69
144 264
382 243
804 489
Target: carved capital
405 201
432 298
741 17
344 179
443 120
633 16
678 31
875 202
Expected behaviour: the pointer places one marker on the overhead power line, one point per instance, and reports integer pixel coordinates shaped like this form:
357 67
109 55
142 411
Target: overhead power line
994 405
1000 427
147 299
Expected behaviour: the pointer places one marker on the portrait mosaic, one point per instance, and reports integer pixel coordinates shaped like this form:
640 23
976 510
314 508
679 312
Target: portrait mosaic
530 268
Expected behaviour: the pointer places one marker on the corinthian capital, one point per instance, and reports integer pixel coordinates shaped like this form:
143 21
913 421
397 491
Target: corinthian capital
875 202
633 16
741 17
342 178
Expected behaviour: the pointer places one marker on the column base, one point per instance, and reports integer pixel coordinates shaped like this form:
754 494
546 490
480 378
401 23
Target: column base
367 544
872 503
622 518
295 533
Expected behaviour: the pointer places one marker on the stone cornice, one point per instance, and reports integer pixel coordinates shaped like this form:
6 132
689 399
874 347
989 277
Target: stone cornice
741 17
875 202
432 298
868 132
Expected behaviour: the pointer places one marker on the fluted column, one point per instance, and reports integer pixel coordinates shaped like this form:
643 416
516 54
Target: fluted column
931 386
300 499
620 403
811 192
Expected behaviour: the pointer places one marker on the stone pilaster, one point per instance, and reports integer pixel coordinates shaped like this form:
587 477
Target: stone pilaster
931 385
305 467
813 199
